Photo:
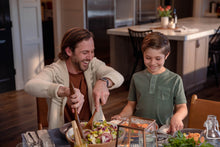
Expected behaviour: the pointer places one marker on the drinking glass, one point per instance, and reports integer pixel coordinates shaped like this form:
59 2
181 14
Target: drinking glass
212 127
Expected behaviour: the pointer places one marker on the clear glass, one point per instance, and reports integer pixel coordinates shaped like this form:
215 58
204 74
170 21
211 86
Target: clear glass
212 127
150 139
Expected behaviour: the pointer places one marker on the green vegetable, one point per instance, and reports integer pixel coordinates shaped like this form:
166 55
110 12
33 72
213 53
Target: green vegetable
181 141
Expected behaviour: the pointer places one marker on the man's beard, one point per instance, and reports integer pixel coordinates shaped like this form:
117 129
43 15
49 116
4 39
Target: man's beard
79 66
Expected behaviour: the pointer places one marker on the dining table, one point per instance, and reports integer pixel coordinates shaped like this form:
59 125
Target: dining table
58 138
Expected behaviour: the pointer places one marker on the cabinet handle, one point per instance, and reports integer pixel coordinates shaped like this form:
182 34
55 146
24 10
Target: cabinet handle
2 41
197 44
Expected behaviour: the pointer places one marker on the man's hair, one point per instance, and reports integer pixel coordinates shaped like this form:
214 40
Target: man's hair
156 40
71 38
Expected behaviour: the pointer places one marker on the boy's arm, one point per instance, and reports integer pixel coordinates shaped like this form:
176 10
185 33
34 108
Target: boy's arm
127 111
176 122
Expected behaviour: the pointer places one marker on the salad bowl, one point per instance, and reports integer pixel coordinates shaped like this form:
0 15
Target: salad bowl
103 134
70 139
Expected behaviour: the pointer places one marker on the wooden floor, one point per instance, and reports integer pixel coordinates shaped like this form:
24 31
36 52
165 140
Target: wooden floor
18 110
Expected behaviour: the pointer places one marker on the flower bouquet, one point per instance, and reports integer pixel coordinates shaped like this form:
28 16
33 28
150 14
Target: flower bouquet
164 13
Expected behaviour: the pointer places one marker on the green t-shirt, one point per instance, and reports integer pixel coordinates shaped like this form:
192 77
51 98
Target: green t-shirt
156 95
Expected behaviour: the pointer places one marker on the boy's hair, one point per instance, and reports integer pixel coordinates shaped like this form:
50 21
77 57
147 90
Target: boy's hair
156 40
71 38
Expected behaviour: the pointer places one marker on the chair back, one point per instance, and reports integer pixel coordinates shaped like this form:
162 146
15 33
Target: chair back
136 39
214 43
200 109
42 110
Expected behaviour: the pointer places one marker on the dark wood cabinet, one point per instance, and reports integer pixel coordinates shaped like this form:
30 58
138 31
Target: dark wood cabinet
7 74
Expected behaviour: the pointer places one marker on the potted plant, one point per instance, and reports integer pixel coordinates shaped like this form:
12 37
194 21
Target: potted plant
164 13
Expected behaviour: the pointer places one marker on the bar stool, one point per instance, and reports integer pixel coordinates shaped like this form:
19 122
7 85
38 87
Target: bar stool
214 53
136 40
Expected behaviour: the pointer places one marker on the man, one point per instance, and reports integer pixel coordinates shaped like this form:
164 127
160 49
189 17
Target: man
77 65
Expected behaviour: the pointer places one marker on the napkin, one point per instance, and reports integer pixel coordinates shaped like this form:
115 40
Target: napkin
43 135
163 129
186 29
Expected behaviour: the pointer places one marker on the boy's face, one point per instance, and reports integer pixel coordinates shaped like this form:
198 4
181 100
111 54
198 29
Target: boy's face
154 60
83 54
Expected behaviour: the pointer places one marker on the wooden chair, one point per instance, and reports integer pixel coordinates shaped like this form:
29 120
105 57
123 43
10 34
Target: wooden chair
200 109
42 110
136 38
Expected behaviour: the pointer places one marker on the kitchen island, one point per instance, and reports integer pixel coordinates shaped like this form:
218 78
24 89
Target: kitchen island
189 49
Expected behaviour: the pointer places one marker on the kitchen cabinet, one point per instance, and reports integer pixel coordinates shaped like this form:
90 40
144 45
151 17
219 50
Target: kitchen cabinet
192 57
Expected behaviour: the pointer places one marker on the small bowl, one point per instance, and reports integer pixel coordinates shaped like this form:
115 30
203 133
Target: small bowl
189 130
70 139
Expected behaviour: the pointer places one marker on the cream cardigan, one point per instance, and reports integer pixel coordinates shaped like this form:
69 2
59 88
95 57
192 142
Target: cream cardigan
47 82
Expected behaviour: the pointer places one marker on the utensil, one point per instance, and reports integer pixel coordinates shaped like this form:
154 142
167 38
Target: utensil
77 136
72 91
34 142
39 141
90 122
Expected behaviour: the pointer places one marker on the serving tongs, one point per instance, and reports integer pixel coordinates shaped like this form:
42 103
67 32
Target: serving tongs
90 122
78 140
72 91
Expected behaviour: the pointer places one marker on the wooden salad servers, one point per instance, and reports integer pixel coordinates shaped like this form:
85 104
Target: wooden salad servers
72 91
78 140
90 122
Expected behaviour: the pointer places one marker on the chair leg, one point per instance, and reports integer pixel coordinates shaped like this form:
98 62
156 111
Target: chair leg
215 69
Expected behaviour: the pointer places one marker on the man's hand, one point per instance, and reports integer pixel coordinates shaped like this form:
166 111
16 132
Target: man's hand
76 100
63 91
100 93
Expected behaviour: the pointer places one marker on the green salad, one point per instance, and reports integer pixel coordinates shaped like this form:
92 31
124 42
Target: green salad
181 141
102 132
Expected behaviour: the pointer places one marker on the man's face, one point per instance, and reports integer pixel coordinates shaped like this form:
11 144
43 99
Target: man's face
83 54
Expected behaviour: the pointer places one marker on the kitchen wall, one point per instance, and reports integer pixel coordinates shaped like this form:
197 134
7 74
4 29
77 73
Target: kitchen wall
184 8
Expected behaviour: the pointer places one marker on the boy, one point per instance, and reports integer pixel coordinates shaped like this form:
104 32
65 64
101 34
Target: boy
155 91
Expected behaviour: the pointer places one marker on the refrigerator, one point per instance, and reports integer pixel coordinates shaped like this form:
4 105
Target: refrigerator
106 14
146 11
100 17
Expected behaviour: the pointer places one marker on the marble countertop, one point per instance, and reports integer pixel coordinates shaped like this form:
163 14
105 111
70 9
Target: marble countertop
190 28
